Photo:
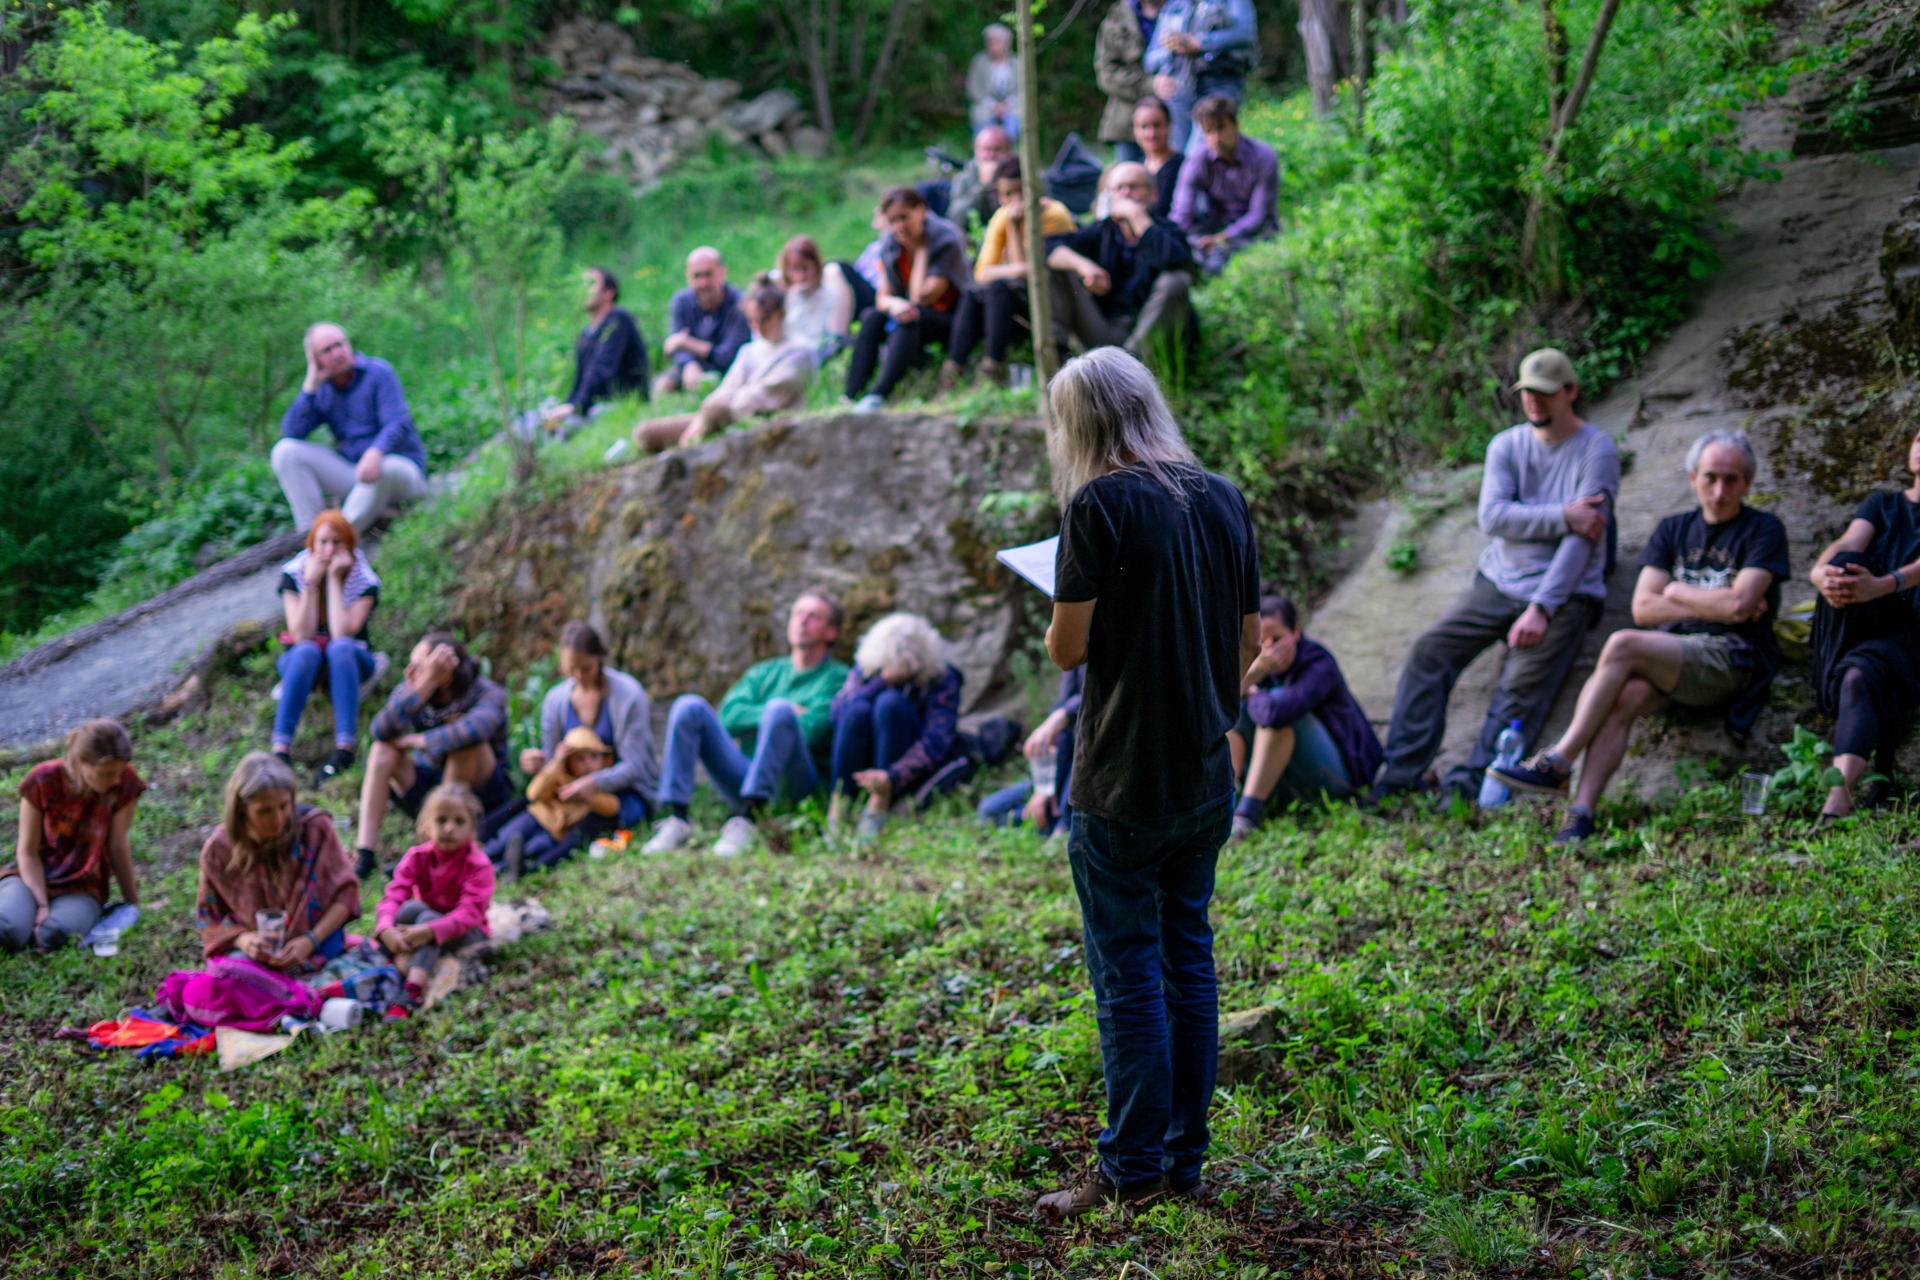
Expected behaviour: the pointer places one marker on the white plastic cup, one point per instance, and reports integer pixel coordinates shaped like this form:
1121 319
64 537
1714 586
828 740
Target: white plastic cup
1753 792
272 928
1045 773
341 1014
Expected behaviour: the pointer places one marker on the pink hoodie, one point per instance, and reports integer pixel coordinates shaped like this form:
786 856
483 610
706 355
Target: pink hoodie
459 885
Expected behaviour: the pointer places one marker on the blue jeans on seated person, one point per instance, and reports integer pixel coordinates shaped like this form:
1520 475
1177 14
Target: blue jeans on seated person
780 756
347 664
1143 904
541 848
1006 807
1317 766
872 733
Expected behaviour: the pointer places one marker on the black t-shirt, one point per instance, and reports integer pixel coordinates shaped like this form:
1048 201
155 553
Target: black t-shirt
1896 519
1173 579
1710 556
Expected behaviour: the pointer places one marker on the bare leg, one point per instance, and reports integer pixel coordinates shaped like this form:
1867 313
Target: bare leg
690 374
1840 800
842 323
658 434
473 766
715 415
1237 747
387 767
1272 753
1654 656
1609 746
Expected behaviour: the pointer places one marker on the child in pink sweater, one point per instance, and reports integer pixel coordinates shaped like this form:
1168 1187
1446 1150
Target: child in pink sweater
441 890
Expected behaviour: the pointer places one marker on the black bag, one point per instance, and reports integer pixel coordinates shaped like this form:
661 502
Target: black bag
1074 179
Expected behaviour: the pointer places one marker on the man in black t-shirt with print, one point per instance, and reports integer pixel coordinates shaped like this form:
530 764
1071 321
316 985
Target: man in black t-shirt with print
1866 636
1157 591
1708 593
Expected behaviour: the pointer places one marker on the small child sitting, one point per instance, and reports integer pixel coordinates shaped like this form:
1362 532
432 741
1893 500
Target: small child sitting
564 808
441 890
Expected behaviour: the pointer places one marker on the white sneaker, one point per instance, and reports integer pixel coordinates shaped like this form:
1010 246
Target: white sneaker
736 837
670 834
866 405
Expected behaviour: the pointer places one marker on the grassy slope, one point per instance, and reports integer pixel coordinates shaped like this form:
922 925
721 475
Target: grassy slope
1689 1049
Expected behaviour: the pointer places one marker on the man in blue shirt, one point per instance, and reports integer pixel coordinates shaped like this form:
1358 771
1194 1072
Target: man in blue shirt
377 464
705 325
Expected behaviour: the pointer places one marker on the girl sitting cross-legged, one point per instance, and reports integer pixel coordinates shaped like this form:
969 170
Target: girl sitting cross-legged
441 890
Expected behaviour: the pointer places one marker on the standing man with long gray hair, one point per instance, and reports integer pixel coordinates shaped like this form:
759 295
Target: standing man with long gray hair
1157 591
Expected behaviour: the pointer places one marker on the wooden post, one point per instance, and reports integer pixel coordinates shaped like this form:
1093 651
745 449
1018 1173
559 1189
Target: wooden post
1039 292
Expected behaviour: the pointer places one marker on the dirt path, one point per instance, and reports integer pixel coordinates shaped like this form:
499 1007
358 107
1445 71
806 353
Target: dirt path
128 663
1800 248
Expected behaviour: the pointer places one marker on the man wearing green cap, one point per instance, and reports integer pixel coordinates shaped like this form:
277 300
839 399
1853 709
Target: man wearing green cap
1546 500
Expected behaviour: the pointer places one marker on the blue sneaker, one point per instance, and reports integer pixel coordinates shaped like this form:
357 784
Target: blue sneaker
1579 826
1544 775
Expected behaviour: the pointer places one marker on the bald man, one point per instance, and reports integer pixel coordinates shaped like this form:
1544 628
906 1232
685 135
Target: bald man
1124 281
377 464
706 327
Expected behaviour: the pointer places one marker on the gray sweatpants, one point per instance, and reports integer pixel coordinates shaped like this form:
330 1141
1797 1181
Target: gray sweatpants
418 912
1530 679
314 477
69 917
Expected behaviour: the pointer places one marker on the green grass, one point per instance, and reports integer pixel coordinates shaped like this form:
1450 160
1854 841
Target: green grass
1687 1051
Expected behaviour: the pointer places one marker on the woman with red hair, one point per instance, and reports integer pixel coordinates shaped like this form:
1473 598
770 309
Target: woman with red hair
329 591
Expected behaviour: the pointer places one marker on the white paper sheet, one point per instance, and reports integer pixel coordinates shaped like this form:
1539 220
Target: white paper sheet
1034 562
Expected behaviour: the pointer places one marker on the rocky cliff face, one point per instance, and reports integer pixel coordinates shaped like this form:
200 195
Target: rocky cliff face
689 562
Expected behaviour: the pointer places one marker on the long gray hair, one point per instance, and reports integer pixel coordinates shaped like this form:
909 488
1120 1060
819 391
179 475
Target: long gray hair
258 774
1108 414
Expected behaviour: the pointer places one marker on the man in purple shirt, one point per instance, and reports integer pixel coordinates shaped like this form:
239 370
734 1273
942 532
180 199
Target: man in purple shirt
1227 189
377 463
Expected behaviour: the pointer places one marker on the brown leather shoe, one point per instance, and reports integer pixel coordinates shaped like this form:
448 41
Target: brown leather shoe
946 380
993 372
1092 1189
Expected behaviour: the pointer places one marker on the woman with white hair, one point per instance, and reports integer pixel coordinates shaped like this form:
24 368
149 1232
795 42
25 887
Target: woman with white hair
1157 591
895 721
993 83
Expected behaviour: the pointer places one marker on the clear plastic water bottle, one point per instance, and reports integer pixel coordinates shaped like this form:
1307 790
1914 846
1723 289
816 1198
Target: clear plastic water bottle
1506 753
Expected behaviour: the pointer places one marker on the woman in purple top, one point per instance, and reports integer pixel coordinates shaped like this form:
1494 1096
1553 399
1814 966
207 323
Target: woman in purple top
896 722
1301 735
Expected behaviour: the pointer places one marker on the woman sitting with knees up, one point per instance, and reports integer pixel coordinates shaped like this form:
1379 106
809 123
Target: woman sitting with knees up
594 695
770 374
1300 735
275 885
822 298
329 591
441 890
896 720
75 815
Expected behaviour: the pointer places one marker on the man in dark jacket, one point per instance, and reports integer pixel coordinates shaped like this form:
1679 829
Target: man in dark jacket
1301 735
609 359
706 328
1126 277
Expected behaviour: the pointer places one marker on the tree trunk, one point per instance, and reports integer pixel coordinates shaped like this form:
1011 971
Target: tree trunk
1328 45
882 67
1556 138
1362 60
1556 46
1039 290
815 42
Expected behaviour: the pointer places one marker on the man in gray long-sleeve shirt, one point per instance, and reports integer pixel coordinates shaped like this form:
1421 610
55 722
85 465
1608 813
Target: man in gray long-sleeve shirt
1546 500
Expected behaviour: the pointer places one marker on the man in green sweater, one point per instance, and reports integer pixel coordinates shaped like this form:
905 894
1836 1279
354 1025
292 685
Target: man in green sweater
778 712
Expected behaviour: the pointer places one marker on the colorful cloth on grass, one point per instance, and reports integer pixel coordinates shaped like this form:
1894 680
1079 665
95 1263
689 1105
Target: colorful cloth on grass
151 1036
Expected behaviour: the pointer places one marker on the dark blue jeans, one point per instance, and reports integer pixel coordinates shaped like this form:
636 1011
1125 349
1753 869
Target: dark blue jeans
780 756
346 663
872 733
1143 902
1006 807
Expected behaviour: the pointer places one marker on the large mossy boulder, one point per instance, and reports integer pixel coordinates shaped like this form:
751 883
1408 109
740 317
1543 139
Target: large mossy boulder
688 562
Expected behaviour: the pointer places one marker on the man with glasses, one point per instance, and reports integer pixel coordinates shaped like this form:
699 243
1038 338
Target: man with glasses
1125 278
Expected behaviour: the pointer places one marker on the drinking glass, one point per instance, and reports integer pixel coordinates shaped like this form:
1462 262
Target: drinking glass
1045 770
272 928
1753 792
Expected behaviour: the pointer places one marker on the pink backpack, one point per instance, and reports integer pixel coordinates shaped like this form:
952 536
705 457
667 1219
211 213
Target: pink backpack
233 991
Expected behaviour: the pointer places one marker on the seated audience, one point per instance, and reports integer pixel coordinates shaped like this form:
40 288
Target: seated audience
445 723
328 592
770 374
270 855
993 83
1118 50
1708 593
1200 49
1021 801
1301 735
997 299
616 707
772 734
974 191
441 890
377 464
75 815
822 297
925 260
1546 499
1153 139
1120 281
705 327
1227 190
1866 637
895 721
609 360
565 807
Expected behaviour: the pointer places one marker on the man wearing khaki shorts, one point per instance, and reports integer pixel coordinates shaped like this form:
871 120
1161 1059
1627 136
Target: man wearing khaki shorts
1708 593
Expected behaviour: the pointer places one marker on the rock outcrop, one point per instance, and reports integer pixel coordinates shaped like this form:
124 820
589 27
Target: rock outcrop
649 112
689 561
